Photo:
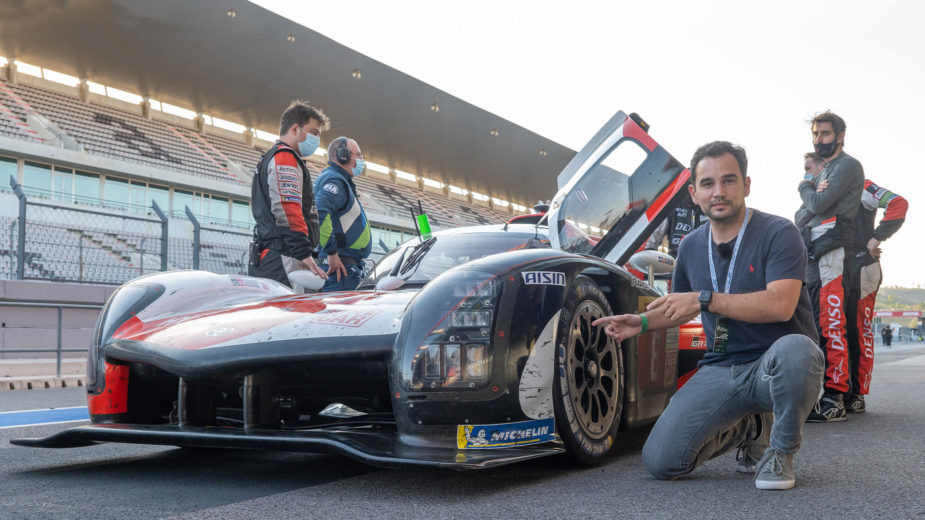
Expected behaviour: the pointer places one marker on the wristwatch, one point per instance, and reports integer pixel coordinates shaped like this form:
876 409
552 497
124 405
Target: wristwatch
704 299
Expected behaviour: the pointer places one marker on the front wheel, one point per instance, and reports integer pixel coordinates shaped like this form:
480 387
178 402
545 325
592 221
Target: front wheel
589 375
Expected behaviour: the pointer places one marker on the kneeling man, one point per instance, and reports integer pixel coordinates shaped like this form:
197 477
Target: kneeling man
744 273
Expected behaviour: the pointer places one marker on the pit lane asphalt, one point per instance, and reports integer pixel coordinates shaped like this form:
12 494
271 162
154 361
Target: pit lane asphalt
870 466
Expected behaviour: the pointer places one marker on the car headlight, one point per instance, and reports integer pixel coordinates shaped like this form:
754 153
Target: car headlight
456 351
127 301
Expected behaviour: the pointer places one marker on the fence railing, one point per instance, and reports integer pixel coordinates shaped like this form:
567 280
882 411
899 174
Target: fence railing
59 350
56 242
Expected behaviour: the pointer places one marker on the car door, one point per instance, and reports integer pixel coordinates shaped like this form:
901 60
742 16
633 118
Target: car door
615 191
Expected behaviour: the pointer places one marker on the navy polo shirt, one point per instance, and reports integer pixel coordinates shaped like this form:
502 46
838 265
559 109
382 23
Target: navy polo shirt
771 249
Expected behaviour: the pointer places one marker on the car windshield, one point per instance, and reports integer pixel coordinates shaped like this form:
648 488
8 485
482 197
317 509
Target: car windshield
421 261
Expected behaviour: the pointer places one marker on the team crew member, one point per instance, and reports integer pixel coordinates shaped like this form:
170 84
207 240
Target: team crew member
866 276
826 220
345 236
285 235
684 219
743 274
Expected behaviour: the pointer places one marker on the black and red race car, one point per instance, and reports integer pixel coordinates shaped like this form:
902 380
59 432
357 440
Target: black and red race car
470 348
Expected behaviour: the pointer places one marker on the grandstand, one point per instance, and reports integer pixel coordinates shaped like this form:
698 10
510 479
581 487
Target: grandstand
110 108
100 249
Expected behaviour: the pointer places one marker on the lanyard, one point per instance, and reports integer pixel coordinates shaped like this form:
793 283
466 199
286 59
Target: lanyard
735 253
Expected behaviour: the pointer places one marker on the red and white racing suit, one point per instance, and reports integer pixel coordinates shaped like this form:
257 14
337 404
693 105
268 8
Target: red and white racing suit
826 220
866 277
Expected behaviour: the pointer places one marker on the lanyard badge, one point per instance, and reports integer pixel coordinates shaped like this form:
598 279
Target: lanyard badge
721 334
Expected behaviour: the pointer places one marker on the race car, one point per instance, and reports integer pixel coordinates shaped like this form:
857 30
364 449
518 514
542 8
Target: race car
469 348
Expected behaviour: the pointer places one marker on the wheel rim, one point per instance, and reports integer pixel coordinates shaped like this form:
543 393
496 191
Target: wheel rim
593 372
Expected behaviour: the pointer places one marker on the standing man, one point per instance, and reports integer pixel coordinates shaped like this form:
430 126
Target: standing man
743 273
345 236
866 276
826 220
286 232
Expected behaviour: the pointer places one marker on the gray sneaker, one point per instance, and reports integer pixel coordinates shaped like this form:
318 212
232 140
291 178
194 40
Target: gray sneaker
757 437
775 471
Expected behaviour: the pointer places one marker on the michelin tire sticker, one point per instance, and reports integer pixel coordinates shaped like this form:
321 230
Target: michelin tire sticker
474 436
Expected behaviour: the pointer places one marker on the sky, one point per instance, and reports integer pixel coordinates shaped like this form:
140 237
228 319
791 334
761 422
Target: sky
753 73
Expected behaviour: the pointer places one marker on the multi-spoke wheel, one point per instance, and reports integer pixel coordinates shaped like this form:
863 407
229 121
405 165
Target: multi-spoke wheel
589 375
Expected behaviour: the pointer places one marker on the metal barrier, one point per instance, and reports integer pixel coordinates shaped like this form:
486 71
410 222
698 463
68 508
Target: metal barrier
59 350
72 244
217 250
68 244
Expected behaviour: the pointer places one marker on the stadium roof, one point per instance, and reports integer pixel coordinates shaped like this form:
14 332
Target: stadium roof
244 68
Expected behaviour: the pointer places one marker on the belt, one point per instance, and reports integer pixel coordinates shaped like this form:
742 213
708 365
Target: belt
349 260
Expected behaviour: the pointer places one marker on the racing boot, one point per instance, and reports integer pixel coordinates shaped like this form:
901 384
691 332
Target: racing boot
830 408
756 442
855 404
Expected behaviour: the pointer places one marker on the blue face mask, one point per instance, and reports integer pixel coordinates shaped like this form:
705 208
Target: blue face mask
358 169
309 145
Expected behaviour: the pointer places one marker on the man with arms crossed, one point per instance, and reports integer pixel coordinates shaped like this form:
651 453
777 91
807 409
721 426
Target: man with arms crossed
865 276
826 220
743 273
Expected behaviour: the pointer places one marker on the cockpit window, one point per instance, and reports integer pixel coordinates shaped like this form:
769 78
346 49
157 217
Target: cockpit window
421 261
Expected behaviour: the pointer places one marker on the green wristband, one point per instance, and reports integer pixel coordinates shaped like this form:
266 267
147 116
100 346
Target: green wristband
645 323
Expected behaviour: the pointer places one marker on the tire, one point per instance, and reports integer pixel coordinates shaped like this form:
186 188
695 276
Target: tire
588 390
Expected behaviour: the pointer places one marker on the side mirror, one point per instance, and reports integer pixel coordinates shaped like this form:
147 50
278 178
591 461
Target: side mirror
655 263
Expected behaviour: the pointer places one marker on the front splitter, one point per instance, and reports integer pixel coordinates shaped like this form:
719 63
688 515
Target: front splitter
377 448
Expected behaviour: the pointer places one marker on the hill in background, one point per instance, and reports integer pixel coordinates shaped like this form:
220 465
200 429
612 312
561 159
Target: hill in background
900 298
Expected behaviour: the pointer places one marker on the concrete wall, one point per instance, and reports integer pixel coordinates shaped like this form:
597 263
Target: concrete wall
31 327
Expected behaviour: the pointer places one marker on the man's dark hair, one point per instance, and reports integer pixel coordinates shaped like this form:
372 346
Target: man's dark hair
300 113
838 124
718 149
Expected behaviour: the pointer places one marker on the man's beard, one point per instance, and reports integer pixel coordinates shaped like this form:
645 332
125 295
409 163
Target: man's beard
734 211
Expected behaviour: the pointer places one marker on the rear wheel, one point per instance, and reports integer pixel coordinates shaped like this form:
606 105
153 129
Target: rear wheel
589 375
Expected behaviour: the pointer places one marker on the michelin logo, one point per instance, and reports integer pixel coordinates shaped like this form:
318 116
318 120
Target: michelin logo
544 278
504 435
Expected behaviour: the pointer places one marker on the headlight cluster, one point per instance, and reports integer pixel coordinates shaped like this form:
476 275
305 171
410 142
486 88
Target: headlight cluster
457 352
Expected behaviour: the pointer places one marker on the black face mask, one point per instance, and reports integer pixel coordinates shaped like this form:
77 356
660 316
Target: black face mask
825 150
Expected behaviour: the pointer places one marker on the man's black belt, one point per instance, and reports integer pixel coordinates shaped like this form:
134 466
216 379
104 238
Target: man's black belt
349 260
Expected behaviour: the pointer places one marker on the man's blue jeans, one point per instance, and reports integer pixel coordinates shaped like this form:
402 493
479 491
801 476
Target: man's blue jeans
713 412
346 283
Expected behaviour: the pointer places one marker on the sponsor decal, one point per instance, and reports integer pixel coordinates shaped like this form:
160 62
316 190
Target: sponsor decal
243 282
582 196
291 198
836 323
289 178
347 318
504 435
543 278
220 332
330 188
289 186
285 168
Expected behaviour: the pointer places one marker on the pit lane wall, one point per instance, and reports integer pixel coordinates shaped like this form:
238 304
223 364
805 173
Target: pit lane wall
37 327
